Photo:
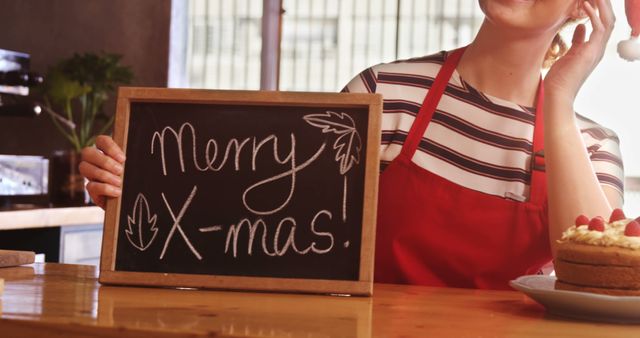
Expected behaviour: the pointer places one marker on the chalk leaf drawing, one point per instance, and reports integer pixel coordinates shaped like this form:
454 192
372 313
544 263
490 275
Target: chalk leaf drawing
348 143
141 230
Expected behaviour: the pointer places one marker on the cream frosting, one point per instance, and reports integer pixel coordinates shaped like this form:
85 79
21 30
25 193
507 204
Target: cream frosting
613 235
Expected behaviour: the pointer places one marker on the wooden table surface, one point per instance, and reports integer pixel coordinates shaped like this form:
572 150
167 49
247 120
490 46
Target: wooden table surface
57 300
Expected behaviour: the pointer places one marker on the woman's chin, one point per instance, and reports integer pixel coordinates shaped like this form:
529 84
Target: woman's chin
507 13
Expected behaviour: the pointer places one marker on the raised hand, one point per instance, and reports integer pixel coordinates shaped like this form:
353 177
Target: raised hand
567 75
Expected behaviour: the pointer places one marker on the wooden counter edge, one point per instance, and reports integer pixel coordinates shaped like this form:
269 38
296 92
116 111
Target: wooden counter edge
294 285
17 328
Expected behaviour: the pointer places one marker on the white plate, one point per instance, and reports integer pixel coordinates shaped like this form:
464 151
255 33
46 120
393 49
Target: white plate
580 305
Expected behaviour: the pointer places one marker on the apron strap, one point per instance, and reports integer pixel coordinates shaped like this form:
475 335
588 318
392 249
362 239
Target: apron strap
430 103
428 108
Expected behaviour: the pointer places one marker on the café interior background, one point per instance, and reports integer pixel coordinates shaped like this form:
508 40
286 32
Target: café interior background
217 44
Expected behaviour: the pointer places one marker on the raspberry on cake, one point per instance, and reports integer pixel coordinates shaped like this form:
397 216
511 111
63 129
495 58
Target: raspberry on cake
600 257
617 215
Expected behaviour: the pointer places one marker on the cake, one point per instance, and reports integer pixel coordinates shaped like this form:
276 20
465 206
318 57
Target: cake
600 256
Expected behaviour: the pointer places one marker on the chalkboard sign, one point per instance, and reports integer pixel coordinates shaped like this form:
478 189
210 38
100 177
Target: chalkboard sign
245 190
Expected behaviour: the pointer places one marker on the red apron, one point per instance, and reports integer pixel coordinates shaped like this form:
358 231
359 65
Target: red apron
432 231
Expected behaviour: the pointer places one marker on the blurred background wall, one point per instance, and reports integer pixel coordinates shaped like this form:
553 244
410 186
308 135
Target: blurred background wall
51 30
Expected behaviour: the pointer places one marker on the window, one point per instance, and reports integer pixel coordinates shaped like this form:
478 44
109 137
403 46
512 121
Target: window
219 43
326 42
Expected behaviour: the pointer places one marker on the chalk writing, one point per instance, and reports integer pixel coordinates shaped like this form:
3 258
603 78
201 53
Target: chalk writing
176 224
289 160
272 242
259 224
142 220
291 173
347 145
211 228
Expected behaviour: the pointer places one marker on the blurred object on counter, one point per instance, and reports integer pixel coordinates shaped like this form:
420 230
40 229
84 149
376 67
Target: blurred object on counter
15 77
15 81
630 49
23 179
20 109
15 258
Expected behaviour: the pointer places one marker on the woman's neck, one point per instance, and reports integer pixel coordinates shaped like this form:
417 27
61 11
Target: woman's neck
505 65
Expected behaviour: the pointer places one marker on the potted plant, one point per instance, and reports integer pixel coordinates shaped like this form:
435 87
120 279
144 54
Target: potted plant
78 88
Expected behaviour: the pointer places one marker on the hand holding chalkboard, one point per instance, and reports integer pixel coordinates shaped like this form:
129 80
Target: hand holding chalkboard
248 190
102 165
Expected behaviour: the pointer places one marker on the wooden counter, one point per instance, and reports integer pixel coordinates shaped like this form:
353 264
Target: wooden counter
54 300
50 217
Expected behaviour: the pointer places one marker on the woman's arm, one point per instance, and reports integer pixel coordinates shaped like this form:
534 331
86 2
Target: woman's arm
573 187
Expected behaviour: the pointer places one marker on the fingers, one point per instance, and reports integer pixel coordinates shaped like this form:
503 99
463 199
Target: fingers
598 27
602 20
102 183
98 200
96 196
101 190
109 147
606 13
103 167
101 160
579 35
94 173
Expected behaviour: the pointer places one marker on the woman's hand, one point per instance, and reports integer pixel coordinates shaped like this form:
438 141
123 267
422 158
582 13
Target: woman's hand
566 76
102 166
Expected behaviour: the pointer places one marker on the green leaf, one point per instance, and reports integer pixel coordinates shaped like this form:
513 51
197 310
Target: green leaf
80 85
60 88
102 72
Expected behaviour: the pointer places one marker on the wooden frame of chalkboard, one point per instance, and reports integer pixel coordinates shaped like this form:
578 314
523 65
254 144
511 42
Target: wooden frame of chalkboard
191 158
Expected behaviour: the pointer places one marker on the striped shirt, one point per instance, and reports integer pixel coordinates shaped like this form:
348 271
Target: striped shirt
474 140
